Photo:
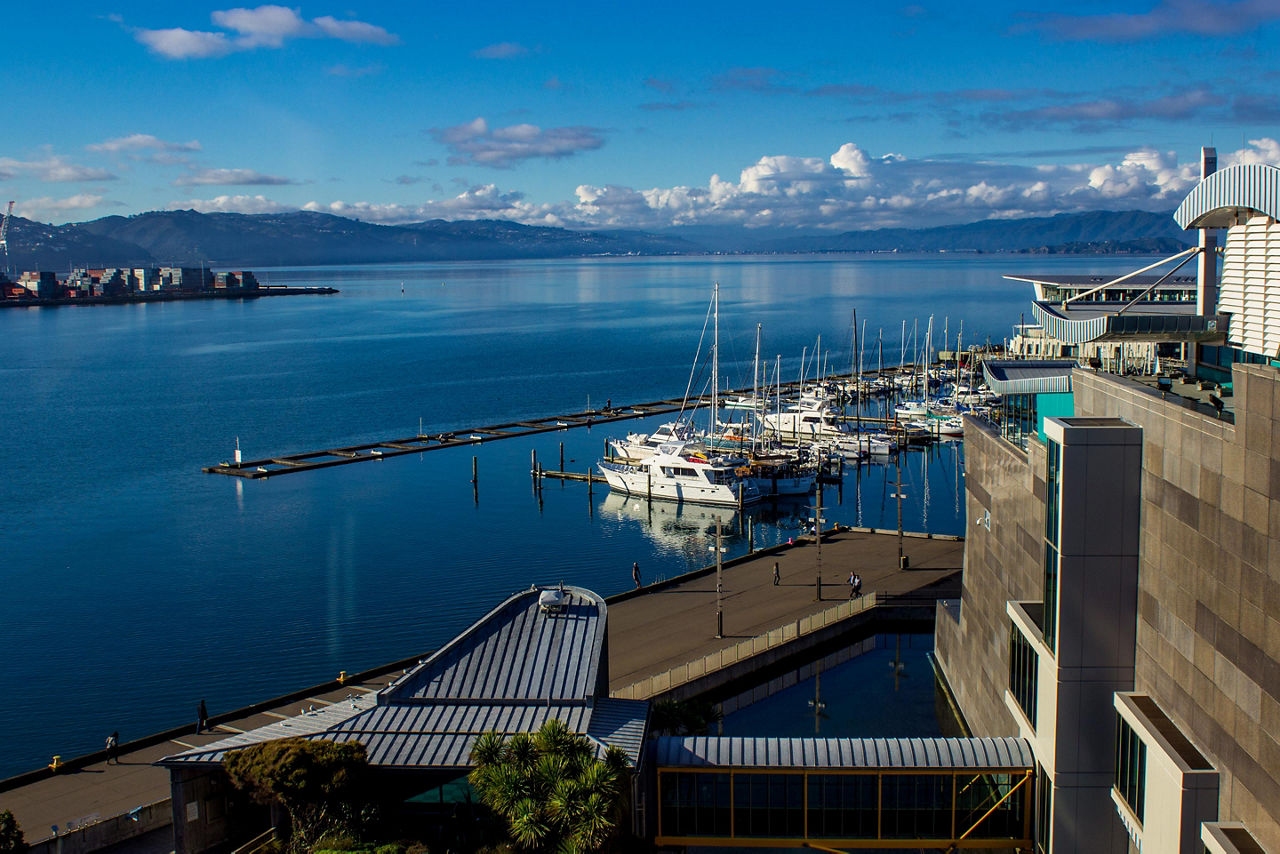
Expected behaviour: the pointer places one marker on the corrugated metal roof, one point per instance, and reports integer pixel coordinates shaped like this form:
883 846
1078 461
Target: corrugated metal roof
1086 322
511 672
1093 280
863 753
1216 200
516 652
1028 376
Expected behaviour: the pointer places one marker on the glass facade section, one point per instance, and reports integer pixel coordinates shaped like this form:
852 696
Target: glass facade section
844 805
976 794
1131 767
1024 666
915 806
1052 508
1018 418
696 804
1044 811
769 805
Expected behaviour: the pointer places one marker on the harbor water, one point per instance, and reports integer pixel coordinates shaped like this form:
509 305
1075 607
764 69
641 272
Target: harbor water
136 586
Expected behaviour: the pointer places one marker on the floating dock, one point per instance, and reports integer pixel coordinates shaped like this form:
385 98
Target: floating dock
312 460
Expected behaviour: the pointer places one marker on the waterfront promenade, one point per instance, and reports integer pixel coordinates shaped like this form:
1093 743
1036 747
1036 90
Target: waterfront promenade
650 631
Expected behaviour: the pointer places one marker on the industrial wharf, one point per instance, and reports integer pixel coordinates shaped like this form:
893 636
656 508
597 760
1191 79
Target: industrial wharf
311 460
661 638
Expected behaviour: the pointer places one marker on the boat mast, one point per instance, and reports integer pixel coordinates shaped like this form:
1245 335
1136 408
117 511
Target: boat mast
755 389
715 360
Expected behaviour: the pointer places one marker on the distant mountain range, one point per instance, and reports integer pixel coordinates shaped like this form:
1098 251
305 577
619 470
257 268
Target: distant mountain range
304 238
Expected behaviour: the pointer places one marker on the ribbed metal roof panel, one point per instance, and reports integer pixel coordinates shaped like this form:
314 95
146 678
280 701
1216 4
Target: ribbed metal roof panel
1214 201
864 753
516 652
1027 376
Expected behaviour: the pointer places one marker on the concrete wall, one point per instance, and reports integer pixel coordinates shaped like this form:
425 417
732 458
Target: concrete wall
1208 632
1002 562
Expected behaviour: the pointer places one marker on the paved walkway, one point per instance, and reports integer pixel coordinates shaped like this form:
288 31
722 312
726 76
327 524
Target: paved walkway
669 626
648 633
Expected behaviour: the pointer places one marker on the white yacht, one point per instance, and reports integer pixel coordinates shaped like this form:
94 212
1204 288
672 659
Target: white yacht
682 471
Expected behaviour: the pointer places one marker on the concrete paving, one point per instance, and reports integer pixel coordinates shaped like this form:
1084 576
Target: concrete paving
668 626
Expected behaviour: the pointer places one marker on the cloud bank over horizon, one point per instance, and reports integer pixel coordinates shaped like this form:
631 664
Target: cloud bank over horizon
847 191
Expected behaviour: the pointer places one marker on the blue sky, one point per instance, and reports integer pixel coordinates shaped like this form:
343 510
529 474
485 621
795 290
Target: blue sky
810 115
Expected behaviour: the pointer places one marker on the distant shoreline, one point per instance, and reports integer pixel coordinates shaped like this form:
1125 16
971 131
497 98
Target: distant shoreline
169 296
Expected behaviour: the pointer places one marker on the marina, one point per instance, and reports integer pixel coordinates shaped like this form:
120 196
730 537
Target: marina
182 570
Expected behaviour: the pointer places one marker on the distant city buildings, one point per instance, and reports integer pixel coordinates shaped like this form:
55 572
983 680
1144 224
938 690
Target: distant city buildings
84 282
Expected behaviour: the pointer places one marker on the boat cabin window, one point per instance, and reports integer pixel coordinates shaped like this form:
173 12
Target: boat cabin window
679 471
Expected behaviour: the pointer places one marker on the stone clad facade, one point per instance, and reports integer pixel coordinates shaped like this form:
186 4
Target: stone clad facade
1208 605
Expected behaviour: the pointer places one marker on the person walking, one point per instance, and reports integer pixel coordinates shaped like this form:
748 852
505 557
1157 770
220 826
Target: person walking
857 584
635 574
852 579
202 718
113 745
776 577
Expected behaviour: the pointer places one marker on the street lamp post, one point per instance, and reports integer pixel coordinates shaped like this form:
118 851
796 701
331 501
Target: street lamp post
818 522
902 559
719 550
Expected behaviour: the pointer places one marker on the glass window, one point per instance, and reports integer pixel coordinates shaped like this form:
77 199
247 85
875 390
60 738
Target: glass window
843 806
1131 767
1044 810
1023 673
1053 490
695 804
977 794
769 805
915 806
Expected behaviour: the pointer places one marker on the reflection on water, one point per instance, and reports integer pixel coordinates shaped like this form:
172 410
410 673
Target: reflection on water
880 687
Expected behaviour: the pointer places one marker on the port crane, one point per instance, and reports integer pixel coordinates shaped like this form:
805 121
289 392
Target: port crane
4 234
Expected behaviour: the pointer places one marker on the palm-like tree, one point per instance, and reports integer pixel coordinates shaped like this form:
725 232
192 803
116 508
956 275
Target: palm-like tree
550 788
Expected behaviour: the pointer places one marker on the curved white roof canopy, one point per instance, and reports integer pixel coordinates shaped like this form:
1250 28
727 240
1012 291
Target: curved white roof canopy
1219 200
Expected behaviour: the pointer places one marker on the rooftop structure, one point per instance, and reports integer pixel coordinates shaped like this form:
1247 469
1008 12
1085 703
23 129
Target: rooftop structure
1123 573
539 655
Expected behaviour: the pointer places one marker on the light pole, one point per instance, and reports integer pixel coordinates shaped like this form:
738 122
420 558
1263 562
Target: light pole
818 522
902 559
719 550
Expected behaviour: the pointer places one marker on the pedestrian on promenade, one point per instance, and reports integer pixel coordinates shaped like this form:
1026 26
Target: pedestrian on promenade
852 579
857 584
202 718
776 577
635 574
113 745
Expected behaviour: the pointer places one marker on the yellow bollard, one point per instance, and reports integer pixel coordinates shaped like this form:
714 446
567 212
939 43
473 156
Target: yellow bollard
56 763
342 677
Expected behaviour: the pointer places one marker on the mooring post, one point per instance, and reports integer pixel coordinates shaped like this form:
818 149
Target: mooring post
533 465
751 538
562 456
649 483
475 471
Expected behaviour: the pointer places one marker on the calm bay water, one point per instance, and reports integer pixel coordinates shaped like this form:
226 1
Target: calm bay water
134 585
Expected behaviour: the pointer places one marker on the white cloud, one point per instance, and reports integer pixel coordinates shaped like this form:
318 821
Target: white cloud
851 189
239 177
142 142
232 204
177 43
46 209
267 26
474 142
54 169
501 50
355 31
